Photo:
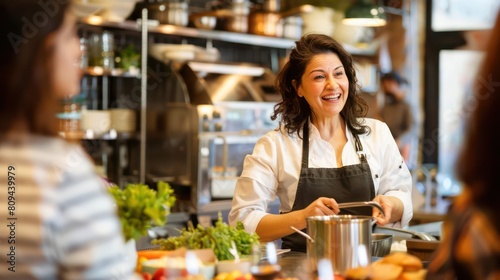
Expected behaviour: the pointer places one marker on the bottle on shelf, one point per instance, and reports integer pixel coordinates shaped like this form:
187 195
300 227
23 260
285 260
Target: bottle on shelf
431 189
69 117
84 57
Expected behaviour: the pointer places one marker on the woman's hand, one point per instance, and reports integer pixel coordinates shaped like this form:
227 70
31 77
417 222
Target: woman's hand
321 206
274 226
393 208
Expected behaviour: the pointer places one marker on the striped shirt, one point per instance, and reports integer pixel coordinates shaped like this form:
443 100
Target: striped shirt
57 221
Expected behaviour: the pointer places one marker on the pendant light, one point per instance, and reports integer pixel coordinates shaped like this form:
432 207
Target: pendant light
365 13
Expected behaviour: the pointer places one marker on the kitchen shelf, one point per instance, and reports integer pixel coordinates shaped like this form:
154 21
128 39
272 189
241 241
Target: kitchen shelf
117 72
112 135
233 37
226 36
124 153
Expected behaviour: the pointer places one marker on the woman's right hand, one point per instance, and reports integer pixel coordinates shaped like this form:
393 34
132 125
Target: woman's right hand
321 206
274 226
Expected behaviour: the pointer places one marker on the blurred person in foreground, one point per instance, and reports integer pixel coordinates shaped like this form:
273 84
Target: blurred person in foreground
470 247
396 112
324 152
58 220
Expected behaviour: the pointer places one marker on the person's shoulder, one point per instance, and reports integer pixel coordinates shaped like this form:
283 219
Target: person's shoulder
376 127
374 124
59 148
278 139
279 134
54 152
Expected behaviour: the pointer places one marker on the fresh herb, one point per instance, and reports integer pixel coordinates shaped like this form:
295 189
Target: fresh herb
217 237
129 57
140 207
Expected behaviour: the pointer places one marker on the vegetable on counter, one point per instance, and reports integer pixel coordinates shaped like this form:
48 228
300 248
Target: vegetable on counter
140 207
217 237
153 254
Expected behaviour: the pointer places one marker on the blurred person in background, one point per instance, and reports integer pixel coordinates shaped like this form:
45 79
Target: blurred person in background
58 220
396 112
470 247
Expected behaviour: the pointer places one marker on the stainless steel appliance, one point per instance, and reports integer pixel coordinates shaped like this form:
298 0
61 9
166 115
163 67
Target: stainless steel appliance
203 119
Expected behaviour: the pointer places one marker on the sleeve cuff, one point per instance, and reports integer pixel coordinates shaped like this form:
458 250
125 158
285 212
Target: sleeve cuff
252 220
407 211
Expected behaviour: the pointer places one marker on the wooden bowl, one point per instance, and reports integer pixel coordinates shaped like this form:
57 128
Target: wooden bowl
421 248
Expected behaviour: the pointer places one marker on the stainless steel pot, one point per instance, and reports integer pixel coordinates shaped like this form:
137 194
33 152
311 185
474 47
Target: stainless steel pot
234 18
270 23
170 12
203 22
292 27
343 239
227 20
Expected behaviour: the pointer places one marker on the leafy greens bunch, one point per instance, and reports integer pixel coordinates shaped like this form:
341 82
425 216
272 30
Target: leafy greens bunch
140 207
216 237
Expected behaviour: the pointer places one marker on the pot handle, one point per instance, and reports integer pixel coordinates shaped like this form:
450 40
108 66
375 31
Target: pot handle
362 204
302 233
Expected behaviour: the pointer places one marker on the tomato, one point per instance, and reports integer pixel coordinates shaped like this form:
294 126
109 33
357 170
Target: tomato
338 277
147 276
159 274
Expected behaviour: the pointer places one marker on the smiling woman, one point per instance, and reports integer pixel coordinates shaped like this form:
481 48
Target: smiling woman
324 152
326 87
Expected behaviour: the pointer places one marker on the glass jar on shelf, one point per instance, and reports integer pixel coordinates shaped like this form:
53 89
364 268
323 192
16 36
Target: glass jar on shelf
69 117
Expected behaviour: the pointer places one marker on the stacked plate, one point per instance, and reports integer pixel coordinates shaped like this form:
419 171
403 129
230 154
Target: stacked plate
182 52
123 120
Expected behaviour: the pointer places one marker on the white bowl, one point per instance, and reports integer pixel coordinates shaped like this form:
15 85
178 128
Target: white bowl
232 265
208 270
117 11
177 266
83 10
211 54
99 121
178 55
123 120
159 49
150 266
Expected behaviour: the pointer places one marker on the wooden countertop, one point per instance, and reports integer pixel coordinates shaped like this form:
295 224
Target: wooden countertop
295 265
428 214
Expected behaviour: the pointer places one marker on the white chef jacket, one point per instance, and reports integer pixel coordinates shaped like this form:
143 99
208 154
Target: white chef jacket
273 170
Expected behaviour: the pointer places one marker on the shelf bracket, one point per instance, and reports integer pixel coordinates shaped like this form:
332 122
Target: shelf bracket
144 84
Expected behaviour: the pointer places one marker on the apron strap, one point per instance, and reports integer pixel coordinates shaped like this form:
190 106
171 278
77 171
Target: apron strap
359 148
305 145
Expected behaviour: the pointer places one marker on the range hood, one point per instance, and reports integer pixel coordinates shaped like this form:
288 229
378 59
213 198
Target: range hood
210 83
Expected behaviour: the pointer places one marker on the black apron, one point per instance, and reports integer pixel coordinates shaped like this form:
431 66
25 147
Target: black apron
345 184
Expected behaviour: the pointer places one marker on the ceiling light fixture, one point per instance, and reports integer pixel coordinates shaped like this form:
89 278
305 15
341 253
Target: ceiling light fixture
365 13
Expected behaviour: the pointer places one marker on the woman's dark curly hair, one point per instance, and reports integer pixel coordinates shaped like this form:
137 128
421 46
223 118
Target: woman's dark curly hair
295 110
